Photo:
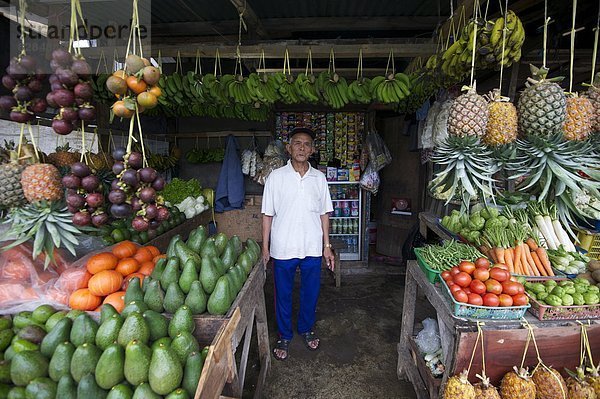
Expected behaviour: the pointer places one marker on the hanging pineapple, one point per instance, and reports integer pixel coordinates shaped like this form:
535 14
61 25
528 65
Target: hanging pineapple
502 123
542 105
484 390
549 383
593 94
593 378
578 387
64 157
459 387
468 115
579 118
41 182
11 192
517 384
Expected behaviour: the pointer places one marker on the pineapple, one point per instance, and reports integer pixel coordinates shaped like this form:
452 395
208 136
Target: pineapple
484 390
100 161
578 387
502 123
63 157
11 193
593 379
578 122
41 182
549 383
468 115
542 105
459 387
517 384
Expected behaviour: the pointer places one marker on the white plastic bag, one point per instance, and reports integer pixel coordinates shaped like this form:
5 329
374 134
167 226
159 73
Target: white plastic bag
428 339
427 134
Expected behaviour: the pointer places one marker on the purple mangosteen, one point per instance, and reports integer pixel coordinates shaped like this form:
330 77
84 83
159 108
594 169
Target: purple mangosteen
119 153
67 77
147 195
163 214
84 90
159 183
82 219
8 82
151 211
64 97
147 175
28 62
56 86
62 126
81 68
87 113
23 93
135 160
90 183
69 114
38 106
62 57
16 71
80 169
94 200
72 209
20 116
50 100
71 181
114 185
136 204
130 177
7 102
120 211
118 167
35 86
139 223
76 201
117 197
100 219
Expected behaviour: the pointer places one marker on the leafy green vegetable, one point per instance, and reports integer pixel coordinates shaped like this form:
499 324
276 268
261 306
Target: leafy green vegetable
178 189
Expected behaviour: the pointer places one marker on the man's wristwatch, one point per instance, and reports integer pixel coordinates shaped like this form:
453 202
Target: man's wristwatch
327 245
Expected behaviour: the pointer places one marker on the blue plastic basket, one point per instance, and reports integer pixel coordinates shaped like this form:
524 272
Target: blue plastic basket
484 312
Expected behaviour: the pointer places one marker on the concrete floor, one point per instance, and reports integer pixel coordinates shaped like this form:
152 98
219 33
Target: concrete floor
359 327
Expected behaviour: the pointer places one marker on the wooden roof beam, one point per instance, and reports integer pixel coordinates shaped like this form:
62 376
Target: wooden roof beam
252 21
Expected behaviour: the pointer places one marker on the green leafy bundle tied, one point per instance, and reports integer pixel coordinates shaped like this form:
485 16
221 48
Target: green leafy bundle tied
178 190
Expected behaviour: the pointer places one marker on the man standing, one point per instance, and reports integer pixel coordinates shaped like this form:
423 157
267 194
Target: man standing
295 207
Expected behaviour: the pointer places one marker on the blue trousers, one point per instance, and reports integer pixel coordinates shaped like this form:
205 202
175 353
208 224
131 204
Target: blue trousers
284 272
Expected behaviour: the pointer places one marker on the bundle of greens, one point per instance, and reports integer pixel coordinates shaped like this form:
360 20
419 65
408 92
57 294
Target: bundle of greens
178 190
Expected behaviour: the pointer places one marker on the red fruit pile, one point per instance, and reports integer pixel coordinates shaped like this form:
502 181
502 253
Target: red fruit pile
25 81
71 91
85 199
476 283
136 191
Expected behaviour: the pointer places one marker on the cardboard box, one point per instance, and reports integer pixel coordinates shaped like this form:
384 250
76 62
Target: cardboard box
245 223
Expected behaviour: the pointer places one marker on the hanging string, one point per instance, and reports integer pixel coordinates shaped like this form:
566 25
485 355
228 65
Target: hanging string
242 25
475 13
359 70
23 11
217 62
198 66
390 60
309 62
595 53
572 47
102 58
546 20
504 30
479 337
178 64
286 62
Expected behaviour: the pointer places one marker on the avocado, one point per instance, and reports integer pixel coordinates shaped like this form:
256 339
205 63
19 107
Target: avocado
157 323
42 313
208 250
134 291
188 276
196 298
196 239
84 361
220 243
60 363
120 391
220 301
6 337
170 274
9 353
164 341
89 389
74 313
108 332
5 372
144 391
32 333
20 345
134 307
232 286
137 362
174 298
55 318
159 267
154 296
109 370
41 388
183 345
67 388
26 366
237 245
5 323
208 275
182 321
106 312
84 330
178 394
171 247
228 258
18 393
134 328
165 372
191 372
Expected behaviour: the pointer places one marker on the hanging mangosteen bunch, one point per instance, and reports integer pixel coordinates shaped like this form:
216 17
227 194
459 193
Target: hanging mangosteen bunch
134 87
24 79
71 92
85 198
135 192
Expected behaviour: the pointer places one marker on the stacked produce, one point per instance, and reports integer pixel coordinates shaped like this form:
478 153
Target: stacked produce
592 274
476 283
187 196
24 80
568 262
85 198
50 354
204 273
442 257
577 292
471 226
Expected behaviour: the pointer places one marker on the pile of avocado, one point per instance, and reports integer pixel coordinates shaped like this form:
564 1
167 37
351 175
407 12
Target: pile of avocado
205 273
564 293
48 354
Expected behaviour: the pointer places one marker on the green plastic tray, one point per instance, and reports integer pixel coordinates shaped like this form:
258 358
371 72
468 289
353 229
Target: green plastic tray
431 274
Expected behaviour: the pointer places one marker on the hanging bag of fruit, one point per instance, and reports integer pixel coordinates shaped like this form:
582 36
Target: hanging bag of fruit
580 384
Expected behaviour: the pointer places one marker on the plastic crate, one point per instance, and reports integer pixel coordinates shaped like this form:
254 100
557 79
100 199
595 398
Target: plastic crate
573 312
431 274
590 242
484 312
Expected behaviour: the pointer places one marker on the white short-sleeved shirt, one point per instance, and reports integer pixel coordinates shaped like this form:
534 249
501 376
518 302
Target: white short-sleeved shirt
296 204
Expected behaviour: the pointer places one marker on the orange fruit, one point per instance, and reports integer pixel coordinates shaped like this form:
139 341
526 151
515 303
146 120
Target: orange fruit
155 90
147 100
146 268
117 300
156 258
124 249
120 110
155 251
136 85
101 261
126 266
143 254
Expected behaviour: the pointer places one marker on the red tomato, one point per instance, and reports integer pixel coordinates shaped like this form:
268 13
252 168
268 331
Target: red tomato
450 283
493 286
491 300
462 279
481 274
482 262
510 288
466 266
467 290
477 287
454 288
521 288
505 300
461 296
499 274
520 300
454 271
446 275
475 299
501 266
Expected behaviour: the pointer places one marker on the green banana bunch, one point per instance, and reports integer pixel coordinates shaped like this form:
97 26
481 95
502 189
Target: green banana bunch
334 89
307 88
391 89
239 91
216 88
359 91
286 88
258 113
263 88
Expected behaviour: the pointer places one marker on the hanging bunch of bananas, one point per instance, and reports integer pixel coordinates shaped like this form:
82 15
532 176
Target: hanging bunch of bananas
239 91
306 86
334 88
421 89
392 88
359 91
263 88
455 62
216 87
286 88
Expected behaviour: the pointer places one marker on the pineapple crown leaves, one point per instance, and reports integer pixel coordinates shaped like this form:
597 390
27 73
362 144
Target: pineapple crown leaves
539 75
48 224
485 380
522 372
593 370
496 96
463 377
578 374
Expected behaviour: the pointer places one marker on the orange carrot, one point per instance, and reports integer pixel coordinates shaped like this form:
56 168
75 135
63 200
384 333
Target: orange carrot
531 244
508 257
538 264
500 255
524 262
543 255
492 254
532 264
517 265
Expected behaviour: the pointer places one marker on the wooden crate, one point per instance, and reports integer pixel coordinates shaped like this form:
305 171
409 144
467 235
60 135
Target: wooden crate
245 223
